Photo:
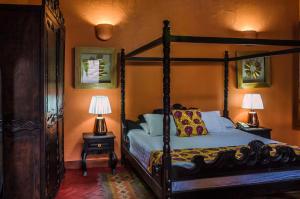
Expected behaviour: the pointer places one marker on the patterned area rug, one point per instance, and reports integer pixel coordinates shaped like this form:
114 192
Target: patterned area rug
123 185
100 184
126 185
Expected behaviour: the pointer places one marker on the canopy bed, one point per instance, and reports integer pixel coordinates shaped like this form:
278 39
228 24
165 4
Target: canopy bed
247 163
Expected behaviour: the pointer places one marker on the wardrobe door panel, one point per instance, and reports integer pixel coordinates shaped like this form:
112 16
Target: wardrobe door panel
22 179
22 105
51 162
20 62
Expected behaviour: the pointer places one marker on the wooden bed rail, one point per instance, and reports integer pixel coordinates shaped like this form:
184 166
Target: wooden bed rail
176 59
146 47
211 59
271 53
238 41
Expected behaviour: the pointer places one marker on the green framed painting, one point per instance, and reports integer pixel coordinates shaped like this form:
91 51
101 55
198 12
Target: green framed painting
95 68
254 72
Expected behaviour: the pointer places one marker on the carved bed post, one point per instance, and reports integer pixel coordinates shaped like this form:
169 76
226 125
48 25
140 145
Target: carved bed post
123 118
166 181
226 74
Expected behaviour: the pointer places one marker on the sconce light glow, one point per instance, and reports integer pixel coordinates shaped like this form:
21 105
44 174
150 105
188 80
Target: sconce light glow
108 15
247 26
105 11
251 34
104 31
245 19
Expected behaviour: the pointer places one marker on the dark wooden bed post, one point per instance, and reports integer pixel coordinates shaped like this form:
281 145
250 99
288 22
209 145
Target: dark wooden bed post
166 181
123 118
226 74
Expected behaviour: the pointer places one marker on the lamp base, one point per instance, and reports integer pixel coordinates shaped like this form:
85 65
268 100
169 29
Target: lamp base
100 134
253 119
100 126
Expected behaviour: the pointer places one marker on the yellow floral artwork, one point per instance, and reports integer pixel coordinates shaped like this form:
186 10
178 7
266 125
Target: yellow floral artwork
253 72
253 69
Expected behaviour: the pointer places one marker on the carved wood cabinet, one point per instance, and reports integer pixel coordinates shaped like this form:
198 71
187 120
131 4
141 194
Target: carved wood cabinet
32 42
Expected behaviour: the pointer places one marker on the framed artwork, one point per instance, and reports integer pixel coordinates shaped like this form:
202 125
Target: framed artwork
254 72
95 68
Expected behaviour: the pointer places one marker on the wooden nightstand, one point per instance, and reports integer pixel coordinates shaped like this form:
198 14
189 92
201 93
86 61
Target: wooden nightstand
261 131
94 144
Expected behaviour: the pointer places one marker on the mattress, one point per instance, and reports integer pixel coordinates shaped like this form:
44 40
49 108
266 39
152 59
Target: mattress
142 144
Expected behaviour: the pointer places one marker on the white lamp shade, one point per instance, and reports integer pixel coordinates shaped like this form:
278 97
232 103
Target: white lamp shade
100 105
252 101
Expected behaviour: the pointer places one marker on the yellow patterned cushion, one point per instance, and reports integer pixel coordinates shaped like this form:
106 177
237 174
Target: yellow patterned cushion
189 123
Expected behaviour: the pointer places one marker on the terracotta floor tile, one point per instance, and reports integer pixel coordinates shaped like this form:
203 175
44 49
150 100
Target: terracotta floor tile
76 186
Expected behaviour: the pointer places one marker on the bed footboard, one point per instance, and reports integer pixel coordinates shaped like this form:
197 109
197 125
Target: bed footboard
255 158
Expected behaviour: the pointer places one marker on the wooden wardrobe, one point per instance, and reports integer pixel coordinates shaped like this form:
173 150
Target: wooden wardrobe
32 42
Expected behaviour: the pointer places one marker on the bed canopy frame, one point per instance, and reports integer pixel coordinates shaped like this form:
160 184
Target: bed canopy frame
168 188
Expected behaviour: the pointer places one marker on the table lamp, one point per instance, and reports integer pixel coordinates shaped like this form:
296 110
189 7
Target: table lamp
252 102
100 105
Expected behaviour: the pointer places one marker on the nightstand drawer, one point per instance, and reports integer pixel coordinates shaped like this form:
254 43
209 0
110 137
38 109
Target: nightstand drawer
262 132
100 143
102 146
265 134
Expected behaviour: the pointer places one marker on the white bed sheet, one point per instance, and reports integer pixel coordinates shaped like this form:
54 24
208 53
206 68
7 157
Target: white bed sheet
142 144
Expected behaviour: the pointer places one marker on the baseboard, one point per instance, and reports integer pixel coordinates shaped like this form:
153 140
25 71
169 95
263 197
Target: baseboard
91 163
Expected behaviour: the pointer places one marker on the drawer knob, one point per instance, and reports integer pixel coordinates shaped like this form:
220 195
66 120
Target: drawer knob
99 146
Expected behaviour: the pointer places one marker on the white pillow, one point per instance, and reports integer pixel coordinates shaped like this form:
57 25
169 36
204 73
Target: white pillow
213 121
145 127
155 124
227 122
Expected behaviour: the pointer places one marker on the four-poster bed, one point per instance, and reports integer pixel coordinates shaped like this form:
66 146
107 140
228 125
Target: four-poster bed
256 171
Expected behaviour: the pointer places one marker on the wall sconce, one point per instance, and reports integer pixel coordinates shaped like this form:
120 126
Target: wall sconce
104 31
250 34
